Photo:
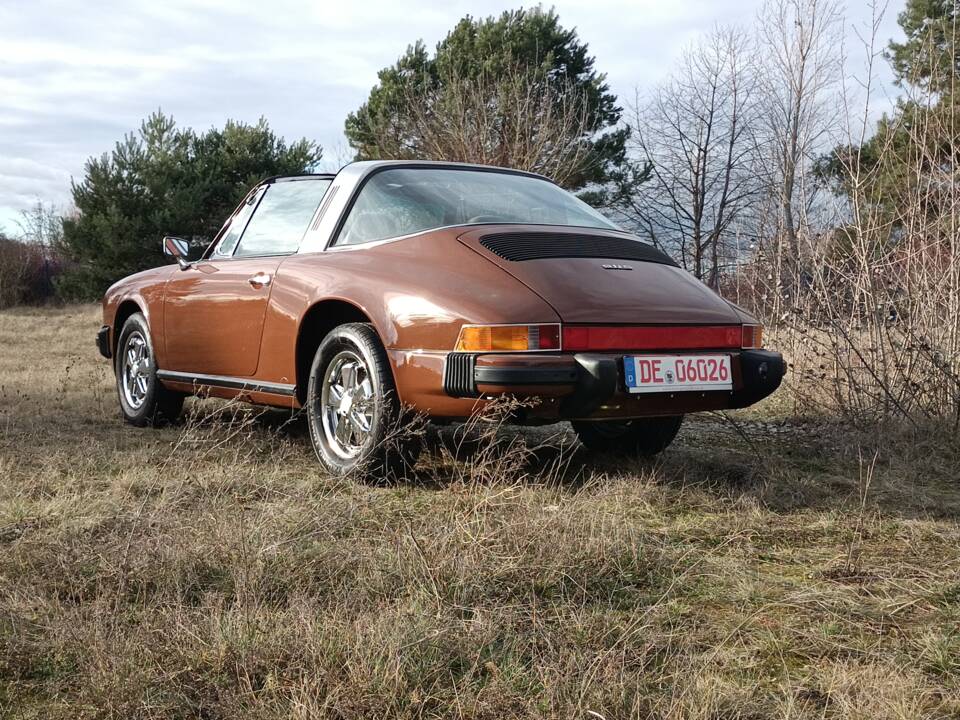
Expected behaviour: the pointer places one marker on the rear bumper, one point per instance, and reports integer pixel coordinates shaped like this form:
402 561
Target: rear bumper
103 341
592 384
762 372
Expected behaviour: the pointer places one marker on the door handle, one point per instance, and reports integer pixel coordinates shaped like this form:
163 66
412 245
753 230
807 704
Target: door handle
260 280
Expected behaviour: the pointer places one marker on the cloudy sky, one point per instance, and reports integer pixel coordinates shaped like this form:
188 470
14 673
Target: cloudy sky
76 76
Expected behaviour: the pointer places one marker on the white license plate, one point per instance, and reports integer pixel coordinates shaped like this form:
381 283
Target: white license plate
673 373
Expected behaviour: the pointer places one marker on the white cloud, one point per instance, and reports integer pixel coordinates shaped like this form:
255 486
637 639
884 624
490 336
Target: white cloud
75 76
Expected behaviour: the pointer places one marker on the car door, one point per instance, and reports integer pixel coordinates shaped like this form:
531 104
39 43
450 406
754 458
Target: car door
214 310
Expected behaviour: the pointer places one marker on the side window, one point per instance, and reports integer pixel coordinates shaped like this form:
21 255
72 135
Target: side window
389 205
281 218
238 222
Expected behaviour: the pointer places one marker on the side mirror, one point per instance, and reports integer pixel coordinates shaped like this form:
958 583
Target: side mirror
177 248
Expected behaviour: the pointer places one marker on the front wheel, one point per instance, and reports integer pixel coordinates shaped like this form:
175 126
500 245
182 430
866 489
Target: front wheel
353 411
645 436
143 399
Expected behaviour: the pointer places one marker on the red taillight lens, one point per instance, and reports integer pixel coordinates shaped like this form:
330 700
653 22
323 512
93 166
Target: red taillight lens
548 337
576 338
752 337
653 337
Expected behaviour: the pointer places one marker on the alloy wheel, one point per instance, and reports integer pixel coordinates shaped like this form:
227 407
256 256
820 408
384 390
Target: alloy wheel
135 370
347 404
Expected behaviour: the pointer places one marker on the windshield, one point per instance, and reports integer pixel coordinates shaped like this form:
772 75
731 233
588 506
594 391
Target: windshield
402 201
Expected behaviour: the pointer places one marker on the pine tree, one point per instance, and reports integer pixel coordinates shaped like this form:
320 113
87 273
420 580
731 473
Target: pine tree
488 53
164 180
921 132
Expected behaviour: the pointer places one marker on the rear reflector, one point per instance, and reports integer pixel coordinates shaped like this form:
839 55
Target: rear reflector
508 338
655 337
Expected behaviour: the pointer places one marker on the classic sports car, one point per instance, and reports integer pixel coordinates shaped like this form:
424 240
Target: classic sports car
433 287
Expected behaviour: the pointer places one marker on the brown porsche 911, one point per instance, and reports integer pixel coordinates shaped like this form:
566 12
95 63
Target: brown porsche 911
434 287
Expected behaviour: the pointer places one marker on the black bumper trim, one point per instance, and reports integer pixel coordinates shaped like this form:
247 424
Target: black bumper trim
597 382
103 341
489 375
458 375
761 372
461 375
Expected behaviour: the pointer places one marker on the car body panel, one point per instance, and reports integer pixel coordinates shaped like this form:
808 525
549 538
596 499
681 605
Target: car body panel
214 316
141 292
416 312
610 291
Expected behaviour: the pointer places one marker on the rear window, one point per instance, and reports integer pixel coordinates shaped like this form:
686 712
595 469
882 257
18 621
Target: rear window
401 201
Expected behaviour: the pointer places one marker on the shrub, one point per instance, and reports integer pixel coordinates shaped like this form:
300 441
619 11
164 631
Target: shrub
27 272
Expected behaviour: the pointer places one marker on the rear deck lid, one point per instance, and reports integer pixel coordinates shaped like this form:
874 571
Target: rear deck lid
600 277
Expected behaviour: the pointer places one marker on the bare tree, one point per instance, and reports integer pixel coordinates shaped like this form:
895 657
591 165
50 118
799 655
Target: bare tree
41 225
695 130
522 119
873 331
801 64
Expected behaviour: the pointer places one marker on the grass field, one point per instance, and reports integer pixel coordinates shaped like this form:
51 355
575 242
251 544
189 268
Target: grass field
763 567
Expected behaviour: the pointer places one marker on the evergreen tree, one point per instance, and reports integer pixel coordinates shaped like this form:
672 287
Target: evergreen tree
929 56
493 48
165 180
921 133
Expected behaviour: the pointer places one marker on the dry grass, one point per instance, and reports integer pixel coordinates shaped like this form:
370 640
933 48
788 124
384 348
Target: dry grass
210 570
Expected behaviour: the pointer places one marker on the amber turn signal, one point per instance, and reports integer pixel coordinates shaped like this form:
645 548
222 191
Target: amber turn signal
752 337
508 338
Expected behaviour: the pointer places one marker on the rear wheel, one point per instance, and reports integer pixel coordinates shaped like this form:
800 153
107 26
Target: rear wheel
354 414
645 436
143 399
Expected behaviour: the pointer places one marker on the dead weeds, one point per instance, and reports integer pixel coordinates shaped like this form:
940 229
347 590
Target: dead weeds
211 570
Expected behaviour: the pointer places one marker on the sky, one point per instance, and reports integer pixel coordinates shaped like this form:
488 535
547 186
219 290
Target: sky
76 76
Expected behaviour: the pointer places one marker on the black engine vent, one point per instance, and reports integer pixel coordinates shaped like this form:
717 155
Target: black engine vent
520 246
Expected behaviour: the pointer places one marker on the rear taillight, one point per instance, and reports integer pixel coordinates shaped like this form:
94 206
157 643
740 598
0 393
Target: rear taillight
752 337
606 338
652 337
509 338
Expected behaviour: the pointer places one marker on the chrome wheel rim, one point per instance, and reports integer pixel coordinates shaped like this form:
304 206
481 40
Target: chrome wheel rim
347 404
135 370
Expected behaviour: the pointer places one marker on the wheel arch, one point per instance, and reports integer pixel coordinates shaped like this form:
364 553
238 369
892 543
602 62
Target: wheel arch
319 319
125 309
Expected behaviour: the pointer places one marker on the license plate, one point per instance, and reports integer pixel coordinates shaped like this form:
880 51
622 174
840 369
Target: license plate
673 373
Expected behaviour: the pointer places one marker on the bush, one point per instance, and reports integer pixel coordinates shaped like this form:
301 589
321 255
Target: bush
27 272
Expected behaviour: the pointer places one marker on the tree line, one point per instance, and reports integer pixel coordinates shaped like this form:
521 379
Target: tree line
756 163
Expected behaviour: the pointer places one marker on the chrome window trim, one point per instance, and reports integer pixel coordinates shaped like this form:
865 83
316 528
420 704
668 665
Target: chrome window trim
385 241
210 253
255 195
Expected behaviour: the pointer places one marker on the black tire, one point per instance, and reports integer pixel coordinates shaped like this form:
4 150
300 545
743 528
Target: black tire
645 436
384 451
157 405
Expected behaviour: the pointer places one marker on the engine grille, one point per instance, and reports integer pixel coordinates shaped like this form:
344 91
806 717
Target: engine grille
521 246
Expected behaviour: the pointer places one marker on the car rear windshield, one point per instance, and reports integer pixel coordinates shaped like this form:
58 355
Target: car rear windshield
401 201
